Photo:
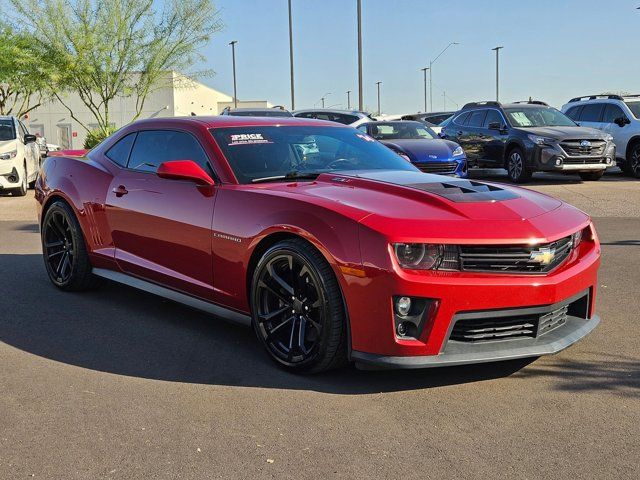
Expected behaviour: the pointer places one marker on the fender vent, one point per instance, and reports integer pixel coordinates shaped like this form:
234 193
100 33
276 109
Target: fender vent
466 191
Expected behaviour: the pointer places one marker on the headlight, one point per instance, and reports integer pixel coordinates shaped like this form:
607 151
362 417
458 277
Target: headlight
576 239
406 157
609 138
418 256
8 155
458 152
541 140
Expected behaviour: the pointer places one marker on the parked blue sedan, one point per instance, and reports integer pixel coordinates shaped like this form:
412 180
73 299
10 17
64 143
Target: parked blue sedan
420 145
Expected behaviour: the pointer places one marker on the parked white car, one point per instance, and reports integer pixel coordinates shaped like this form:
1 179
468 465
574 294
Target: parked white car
345 117
617 116
19 157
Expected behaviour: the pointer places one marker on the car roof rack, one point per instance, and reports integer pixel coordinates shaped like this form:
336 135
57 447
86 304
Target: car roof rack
593 97
488 103
533 102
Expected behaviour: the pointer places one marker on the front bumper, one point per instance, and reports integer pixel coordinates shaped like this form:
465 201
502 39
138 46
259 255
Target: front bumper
9 177
552 158
461 353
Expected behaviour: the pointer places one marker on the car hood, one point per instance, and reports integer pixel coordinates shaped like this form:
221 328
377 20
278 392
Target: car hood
414 206
7 145
563 133
423 150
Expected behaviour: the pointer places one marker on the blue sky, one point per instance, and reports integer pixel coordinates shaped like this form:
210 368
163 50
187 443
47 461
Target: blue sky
553 50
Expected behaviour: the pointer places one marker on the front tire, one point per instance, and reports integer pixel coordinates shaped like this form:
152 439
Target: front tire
632 165
591 176
21 191
517 168
297 308
65 253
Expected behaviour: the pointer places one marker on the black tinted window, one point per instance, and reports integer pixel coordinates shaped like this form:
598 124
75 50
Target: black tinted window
462 118
344 119
7 129
119 153
591 112
477 118
154 147
611 112
574 112
493 116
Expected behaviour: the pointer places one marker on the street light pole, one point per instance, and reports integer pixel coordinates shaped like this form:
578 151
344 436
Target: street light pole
233 59
360 98
431 71
497 50
293 101
378 84
424 74
348 99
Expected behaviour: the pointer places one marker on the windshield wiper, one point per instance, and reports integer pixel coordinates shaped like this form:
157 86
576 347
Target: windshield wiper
292 175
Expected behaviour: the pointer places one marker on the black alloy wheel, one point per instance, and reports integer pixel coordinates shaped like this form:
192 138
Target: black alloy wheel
297 308
632 165
64 251
516 167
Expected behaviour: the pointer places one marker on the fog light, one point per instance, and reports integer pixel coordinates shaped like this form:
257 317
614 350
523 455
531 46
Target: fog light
608 160
403 306
558 161
402 329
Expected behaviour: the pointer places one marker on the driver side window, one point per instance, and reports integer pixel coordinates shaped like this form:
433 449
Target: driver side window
153 147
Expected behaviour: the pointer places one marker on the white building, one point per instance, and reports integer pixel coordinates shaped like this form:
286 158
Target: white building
179 97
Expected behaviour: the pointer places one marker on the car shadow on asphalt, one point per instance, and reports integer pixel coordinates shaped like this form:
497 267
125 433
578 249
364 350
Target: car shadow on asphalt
126 332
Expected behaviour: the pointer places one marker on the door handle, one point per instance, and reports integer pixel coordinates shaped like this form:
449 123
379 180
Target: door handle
120 190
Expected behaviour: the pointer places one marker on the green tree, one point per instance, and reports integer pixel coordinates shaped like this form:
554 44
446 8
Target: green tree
25 81
103 49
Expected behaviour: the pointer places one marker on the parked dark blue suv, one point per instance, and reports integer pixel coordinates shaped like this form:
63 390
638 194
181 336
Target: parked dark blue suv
525 137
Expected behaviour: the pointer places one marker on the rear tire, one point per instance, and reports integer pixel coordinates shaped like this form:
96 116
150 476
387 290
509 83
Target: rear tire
632 166
517 167
591 176
297 308
64 250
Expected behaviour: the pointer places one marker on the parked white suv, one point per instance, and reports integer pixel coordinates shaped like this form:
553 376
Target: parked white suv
616 115
345 117
19 157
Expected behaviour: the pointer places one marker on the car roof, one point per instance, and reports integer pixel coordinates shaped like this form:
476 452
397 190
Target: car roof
222 121
258 109
330 110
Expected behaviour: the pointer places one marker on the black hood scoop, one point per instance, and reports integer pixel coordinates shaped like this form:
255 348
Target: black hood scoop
466 191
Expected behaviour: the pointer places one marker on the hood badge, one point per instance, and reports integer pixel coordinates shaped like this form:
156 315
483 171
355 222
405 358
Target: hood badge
433 156
543 256
585 143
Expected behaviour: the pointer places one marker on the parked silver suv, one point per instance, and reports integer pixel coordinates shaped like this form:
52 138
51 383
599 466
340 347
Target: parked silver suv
616 115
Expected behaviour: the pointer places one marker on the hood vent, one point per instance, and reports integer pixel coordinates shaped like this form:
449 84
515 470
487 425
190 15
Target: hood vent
466 191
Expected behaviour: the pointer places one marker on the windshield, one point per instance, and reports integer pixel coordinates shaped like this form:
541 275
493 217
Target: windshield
401 130
7 130
635 108
538 117
261 152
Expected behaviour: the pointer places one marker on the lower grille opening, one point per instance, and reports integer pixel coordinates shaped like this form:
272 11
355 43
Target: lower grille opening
441 167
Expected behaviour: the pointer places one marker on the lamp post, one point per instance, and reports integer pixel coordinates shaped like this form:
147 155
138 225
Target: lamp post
424 74
293 100
378 85
360 98
348 99
324 97
233 59
431 71
497 50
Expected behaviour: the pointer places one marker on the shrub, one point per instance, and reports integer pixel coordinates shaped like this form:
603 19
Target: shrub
94 137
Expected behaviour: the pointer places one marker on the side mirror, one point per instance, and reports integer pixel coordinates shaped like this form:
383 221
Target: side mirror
495 126
621 121
185 170
28 138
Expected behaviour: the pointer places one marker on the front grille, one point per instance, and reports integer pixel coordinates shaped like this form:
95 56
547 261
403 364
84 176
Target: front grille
574 148
540 258
441 167
503 328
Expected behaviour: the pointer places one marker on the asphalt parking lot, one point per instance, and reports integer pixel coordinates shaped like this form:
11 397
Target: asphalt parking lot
120 384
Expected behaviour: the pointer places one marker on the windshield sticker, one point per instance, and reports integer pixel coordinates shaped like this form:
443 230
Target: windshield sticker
522 119
247 139
365 137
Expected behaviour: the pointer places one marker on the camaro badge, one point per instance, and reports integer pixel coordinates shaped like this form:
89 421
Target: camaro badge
543 256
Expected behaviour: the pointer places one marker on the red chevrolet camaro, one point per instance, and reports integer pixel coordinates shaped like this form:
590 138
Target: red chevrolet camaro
332 246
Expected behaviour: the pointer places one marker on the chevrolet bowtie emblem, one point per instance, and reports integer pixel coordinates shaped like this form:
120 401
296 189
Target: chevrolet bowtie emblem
543 256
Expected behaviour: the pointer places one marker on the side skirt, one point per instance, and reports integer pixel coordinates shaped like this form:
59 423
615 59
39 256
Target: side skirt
173 295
